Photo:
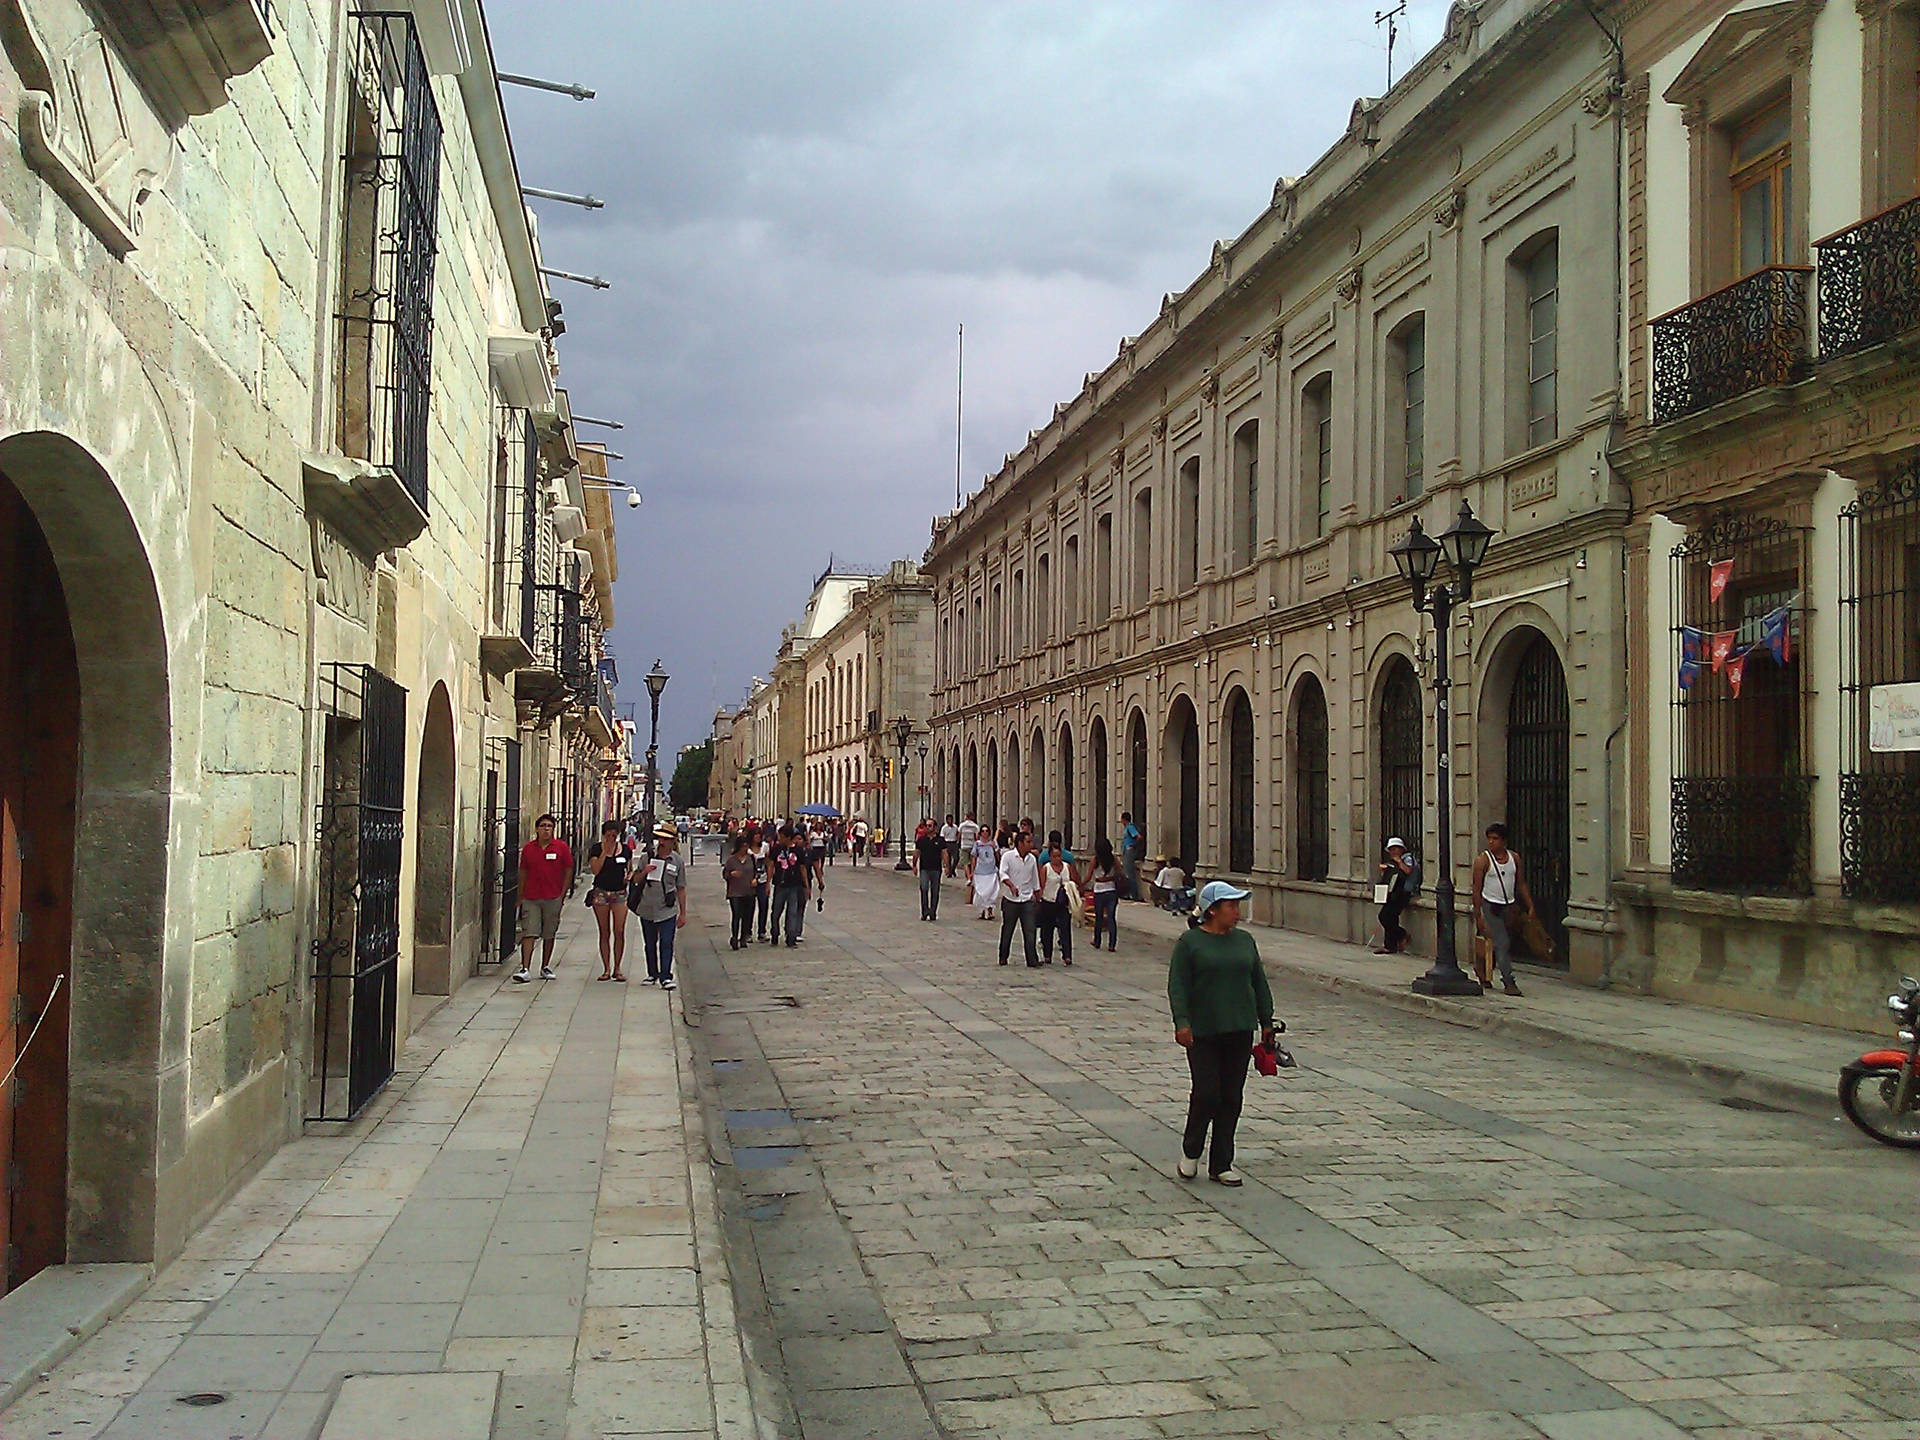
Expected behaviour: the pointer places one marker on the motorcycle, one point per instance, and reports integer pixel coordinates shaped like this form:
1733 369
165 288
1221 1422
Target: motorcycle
1881 1090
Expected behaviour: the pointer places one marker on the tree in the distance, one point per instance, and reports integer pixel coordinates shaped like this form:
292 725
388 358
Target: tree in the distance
689 788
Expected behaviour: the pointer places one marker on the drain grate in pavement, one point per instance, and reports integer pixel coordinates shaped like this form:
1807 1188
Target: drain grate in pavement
1741 1102
763 1157
758 1119
728 1064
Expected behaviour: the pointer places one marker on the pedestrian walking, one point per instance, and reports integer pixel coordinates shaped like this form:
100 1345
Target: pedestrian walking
1218 993
929 859
1103 879
1400 877
740 873
761 849
659 897
1058 904
1133 845
950 846
860 842
608 860
969 833
1499 885
546 865
1019 884
792 870
986 873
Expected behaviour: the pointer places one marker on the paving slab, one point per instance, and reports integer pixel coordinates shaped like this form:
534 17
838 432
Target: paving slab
456 1405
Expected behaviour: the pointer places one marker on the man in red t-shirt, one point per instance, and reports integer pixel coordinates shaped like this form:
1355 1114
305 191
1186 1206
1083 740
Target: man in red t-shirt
546 865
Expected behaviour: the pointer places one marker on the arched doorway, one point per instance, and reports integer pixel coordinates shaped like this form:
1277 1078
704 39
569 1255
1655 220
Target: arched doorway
1097 760
1066 784
993 785
433 853
1310 790
39 758
1037 785
972 802
1137 770
1182 751
1539 811
1010 802
1401 783
1239 783
86 731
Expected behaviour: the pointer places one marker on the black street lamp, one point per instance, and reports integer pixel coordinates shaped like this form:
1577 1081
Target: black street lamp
746 794
926 808
656 679
902 735
788 807
1417 558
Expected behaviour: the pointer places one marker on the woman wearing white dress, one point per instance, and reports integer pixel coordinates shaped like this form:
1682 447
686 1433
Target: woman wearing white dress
986 875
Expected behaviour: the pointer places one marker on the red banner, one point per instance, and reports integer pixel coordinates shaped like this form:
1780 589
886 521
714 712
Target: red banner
1717 584
1736 671
1723 647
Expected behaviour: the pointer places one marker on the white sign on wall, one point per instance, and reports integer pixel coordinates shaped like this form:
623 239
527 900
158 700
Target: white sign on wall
1893 718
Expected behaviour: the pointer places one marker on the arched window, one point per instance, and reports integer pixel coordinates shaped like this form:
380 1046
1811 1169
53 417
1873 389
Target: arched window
1186 534
1097 764
1401 781
1239 783
1310 820
1245 519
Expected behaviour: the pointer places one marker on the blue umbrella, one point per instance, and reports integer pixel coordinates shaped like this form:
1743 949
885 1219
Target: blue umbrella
825 812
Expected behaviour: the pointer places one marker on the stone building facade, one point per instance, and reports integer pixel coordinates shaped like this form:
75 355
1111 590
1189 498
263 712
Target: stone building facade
874 665
282 471
1770 438
1177 599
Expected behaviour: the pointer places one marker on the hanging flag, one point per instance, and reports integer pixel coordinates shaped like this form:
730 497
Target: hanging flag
1776 632
1689 673
1722 647
1693 644
1737 670
1721 574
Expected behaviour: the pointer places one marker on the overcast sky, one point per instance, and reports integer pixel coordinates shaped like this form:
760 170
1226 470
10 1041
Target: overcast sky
803 202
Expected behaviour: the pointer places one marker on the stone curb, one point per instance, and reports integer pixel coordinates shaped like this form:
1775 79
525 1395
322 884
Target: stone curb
55 1313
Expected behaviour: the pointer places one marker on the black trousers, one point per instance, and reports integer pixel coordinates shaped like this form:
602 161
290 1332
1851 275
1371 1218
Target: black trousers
1219 1066
742 908
1056 919
1012 913
1393 933
929 892
760 898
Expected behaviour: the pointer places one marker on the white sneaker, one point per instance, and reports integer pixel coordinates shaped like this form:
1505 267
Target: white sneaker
520 976
669 984
546 972
1188 1169
1227 1177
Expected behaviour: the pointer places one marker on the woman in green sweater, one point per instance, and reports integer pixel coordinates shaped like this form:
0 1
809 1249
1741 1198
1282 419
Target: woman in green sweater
1219 997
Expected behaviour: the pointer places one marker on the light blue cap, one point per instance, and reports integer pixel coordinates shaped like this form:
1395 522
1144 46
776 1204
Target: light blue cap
1214 891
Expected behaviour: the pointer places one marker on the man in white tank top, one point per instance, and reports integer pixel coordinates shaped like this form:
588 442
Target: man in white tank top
1498 886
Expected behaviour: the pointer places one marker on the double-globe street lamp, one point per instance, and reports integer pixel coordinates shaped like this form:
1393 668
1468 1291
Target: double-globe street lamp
656 679
1417 558
902 736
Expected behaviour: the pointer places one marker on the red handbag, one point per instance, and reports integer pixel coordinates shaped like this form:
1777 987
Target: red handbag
1265 1060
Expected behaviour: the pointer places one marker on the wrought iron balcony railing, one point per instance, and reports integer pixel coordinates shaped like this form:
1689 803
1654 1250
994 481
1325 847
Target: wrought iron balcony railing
560 636
1747 834
1870 281
1746 336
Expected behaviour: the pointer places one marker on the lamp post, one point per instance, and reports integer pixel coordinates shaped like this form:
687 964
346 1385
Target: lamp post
1417 557
788 807
926 809
746 794
902 736
656 679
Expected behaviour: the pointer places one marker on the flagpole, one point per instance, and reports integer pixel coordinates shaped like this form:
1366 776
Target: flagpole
959 410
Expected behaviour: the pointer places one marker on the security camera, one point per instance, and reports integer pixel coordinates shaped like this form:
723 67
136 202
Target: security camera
1273 602
633 499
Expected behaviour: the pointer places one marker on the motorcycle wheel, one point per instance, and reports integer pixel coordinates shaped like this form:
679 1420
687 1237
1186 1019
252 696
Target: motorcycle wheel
1867 1095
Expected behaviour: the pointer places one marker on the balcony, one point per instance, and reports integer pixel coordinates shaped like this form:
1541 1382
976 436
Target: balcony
1870 281
1750 335
1743 834
561 669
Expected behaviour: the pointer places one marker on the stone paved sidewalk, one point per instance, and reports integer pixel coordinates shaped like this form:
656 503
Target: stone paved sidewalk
1782 1062
516 1216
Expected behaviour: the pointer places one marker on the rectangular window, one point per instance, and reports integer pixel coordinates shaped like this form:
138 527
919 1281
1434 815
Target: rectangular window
1188 534
1316 430
1413 409
1070 585
1102 568
1142 548
1542 278
1246 495
1019 615
1043 601
1762 176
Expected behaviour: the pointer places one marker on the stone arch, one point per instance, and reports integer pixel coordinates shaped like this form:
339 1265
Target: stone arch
1180 768
1063 767
1139 770
122 1047
1237 727
1310 765
1101 777
1037 782
1399 731
1523 769
436 812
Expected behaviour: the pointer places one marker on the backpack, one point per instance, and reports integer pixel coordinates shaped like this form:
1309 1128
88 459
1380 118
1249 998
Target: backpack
1413 875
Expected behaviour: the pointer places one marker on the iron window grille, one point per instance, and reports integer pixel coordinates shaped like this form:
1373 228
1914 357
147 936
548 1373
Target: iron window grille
1880 645
1870 280
500 857
392 166
1742 797
516 523
1402 758
1746 336
1311 839
1539 810
356 946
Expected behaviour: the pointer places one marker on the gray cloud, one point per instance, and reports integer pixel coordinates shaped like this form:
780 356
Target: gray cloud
804 200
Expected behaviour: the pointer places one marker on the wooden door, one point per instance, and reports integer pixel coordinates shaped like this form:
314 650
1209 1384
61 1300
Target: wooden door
12 516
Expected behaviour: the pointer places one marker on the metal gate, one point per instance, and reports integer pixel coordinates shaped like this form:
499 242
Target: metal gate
1538 812
1137 771
1189 786
1401 779
500 859
356 946
1240 784
1310 782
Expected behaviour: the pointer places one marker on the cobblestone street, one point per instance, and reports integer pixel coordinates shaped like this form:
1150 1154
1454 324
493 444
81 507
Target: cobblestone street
959 1183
